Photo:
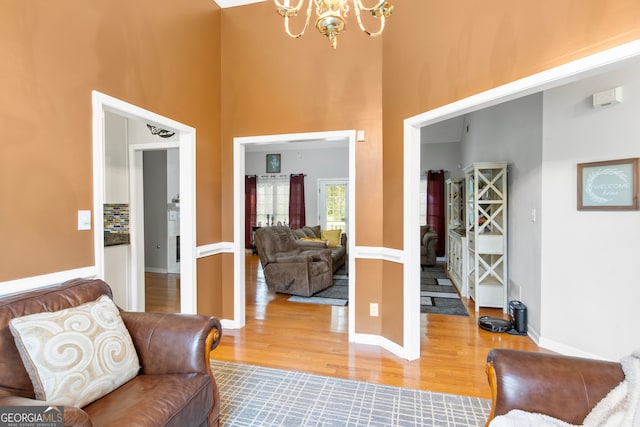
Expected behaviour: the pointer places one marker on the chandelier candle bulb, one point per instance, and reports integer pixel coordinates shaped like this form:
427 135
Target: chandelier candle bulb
331 16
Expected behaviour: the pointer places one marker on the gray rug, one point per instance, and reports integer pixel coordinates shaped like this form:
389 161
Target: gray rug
337 294
256 396
437 294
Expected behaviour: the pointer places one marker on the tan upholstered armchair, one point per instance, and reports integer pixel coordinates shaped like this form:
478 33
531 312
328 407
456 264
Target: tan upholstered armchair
291 269
428 241
172 382
562 387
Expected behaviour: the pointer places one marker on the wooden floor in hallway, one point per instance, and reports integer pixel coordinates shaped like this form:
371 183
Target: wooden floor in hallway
314 339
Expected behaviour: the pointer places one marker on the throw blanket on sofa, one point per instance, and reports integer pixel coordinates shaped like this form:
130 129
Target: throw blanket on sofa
621 407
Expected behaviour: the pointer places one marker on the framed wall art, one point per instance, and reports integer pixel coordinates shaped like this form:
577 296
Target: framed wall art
273 163
608 185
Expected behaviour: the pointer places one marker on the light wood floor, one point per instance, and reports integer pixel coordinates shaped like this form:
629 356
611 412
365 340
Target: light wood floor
314 339
162 292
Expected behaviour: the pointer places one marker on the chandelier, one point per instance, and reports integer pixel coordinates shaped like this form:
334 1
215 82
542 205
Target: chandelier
331 16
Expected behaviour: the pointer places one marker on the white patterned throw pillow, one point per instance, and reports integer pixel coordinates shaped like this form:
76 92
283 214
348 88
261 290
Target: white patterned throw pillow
76 355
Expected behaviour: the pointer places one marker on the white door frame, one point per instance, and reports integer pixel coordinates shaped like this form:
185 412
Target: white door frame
239 273
548 79
136 217
187 149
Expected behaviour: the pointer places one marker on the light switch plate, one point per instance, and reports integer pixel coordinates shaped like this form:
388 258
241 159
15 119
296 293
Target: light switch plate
373 309
84 220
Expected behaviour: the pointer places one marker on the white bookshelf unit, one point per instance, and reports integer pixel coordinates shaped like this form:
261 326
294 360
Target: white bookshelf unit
486 224
456 235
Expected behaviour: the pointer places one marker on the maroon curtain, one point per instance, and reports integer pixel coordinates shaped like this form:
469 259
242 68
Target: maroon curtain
435 206
249 209
296 201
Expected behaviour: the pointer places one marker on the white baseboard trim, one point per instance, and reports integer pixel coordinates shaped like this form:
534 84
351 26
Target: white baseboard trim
383 342
156 270
534 335
30 283
230 324
567 350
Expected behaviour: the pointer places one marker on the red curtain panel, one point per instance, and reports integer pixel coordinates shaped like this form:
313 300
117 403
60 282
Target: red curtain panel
296 202
435 206
250 212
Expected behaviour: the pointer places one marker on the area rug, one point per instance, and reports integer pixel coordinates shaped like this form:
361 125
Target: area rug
337 294
256 396
437 294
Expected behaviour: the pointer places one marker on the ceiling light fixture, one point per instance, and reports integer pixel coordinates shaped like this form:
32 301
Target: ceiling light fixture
331 16
162 133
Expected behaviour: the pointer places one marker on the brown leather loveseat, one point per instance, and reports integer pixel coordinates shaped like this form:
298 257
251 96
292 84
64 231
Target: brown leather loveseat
174 386
563 387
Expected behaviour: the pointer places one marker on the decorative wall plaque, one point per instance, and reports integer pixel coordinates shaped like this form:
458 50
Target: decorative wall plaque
608 185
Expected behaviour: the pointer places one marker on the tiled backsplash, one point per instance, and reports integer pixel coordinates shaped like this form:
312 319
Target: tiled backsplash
116 218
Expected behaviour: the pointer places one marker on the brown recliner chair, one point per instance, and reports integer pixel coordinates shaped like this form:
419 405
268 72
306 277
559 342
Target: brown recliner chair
566 388
174 387
289 268
428 241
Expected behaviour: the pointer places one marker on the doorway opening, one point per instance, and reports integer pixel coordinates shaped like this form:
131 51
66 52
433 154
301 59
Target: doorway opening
131 291
158 225
570 72
241 145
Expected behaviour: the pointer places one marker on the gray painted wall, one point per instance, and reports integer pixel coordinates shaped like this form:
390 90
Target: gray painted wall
155 210
512 132
315 163
576 271
590 260
442 155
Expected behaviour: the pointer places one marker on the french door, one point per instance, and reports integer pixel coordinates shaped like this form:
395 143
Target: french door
333 204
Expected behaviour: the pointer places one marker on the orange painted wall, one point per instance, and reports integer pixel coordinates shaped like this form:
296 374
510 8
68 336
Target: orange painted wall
159 55
272 84
369 273
392 297
439 52
209 298
432 54
250 79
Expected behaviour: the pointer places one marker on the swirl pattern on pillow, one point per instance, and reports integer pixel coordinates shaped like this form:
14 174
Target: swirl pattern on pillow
76 355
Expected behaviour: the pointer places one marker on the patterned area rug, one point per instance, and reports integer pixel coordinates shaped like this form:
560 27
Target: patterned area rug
437 294
337 294
256 396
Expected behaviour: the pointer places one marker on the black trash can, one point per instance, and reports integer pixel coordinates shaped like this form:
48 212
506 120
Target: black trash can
518 316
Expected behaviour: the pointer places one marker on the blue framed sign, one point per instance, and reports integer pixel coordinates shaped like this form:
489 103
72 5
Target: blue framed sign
608 185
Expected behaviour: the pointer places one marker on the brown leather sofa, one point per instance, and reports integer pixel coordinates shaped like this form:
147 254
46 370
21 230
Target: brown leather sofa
175 386
566 388
428 241
338 253
289 268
